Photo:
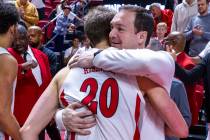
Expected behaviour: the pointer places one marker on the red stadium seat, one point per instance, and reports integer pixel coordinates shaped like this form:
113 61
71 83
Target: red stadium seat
50 30
47 10
41 24
55 3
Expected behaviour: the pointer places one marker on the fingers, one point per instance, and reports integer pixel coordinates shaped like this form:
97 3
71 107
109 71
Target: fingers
75 105
73 62
78 122
81 131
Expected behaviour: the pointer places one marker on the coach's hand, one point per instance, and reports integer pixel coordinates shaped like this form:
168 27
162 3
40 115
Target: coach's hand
78 121
83 60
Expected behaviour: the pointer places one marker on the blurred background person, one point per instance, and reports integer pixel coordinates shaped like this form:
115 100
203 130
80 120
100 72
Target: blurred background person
27 11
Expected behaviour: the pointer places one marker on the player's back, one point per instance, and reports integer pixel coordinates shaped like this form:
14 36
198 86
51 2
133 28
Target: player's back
115 99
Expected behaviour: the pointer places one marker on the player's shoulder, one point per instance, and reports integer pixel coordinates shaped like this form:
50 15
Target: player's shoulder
62 73
8 63
8 60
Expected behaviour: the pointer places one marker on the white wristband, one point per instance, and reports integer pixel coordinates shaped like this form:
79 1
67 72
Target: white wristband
59 120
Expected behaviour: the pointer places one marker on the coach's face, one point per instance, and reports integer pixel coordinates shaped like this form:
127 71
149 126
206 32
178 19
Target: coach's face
20 44
123 33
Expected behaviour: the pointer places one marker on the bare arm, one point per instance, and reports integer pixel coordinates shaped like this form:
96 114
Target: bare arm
166 108
44 109
8 73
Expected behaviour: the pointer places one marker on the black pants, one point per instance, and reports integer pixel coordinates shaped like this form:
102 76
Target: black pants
41 13
52 132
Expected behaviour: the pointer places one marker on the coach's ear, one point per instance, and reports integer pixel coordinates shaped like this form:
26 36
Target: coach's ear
142 37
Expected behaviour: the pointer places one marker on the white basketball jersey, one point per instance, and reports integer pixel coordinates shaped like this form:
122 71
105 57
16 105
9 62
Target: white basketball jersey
114 98
2 135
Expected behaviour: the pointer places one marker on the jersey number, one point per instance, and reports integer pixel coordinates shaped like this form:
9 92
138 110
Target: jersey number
107 110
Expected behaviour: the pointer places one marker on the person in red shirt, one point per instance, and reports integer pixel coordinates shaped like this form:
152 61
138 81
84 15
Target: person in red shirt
160 15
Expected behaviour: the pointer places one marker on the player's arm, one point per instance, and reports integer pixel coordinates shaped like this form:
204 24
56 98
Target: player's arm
165 106
44 109
143 62
8 73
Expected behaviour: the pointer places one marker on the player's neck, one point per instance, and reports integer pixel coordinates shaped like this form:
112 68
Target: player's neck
4 42
102 45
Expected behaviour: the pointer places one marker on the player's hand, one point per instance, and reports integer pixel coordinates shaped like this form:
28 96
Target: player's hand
197 31
29 65
78 121
171 51
84 60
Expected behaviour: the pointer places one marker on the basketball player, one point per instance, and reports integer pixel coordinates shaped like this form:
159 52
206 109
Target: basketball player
8 125
95 88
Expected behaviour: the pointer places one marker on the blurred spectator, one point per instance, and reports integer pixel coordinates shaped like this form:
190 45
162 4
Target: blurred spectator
198 31
28 12
63 23
80 9
85 44
60 7
76 40
40 8
161 31
35 41
161 16
183 14
72 16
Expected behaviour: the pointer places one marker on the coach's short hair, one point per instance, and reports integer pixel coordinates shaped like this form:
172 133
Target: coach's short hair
8 16
143 20
97 24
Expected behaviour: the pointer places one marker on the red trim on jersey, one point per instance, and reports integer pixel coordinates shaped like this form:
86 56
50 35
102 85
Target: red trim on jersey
73 136
137 115
63 100
6 137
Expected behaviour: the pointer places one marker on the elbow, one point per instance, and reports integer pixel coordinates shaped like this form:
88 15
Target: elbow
26 133
24 130
184 133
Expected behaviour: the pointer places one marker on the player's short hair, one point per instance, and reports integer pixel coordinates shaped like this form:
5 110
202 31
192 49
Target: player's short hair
97 24
143 20
8 16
